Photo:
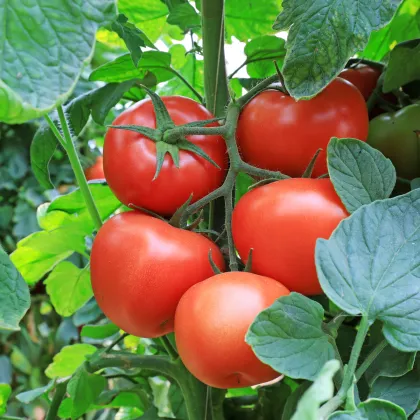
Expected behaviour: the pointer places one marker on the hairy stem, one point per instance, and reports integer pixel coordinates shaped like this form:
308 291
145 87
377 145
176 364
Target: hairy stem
370 358
60 391
77 169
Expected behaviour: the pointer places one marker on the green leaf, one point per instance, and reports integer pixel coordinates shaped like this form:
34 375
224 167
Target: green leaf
323 35
99 331
288 336
260 53
20 361
251 19
320 391
133 37
360 173
122 68
403 26
40 68
293 400
148 15
184 16
403 66
83 389
372 409
14 297
390 363
416 416
371 265
5 370
177 402
403 391
29 396
5 391
69 288
272 400
66 362
96 103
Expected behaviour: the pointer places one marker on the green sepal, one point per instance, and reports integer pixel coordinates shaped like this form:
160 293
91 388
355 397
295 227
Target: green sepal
310 167
150 133
214 267
148 212
193 225
184 144
262 182
161 150
176 218
163 119
248 265
202 123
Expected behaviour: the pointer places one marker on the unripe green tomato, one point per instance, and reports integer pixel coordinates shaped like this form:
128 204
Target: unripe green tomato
394 134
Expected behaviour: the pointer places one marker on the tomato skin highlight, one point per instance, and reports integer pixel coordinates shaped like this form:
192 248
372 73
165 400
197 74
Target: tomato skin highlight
140 268
363 77
211 322
281 222
393 133
96 171
279 133
130 159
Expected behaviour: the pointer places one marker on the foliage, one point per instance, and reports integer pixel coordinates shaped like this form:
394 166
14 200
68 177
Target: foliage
348 354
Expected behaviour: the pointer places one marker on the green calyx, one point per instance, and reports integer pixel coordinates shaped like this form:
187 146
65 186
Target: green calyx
168 137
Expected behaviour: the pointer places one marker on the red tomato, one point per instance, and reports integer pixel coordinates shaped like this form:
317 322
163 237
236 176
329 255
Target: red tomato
130 159
363 77
211 321
96 171
140 268
279 133
281 222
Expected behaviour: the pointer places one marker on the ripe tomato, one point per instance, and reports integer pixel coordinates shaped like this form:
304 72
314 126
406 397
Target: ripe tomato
281 222
140 268
211 321
394 134
96 171
130 159
363 77
279 133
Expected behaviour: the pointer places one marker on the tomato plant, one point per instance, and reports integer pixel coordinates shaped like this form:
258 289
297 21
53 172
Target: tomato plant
279 133
247 252
141 267
211 321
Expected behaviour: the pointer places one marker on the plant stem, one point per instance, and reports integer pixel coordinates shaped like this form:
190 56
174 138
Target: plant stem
56 401
256 89
215 81
78 170
233 261
332 405
255 60
376 351
187 83
115 342
169 348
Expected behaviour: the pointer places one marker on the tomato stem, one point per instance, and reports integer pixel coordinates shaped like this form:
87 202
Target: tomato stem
172 353
370 358
60 391
68 145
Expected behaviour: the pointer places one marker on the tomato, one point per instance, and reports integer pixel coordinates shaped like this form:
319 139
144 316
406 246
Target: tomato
130 159
363 77
281 223
394 134
279 133
96 171
211 321
140 268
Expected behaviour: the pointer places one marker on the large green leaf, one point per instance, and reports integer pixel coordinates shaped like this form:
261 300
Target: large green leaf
403 66
84 388
14 296
372 409
185 16
251 19
68 360
147 15
29 396
156 63
288 336
323 35
69 288
96 103
403 26
403 391
360 173
320 391
40 68
5 391
371 266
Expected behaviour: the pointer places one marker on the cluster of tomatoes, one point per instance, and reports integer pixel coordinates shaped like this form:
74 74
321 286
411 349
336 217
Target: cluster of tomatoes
151 278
